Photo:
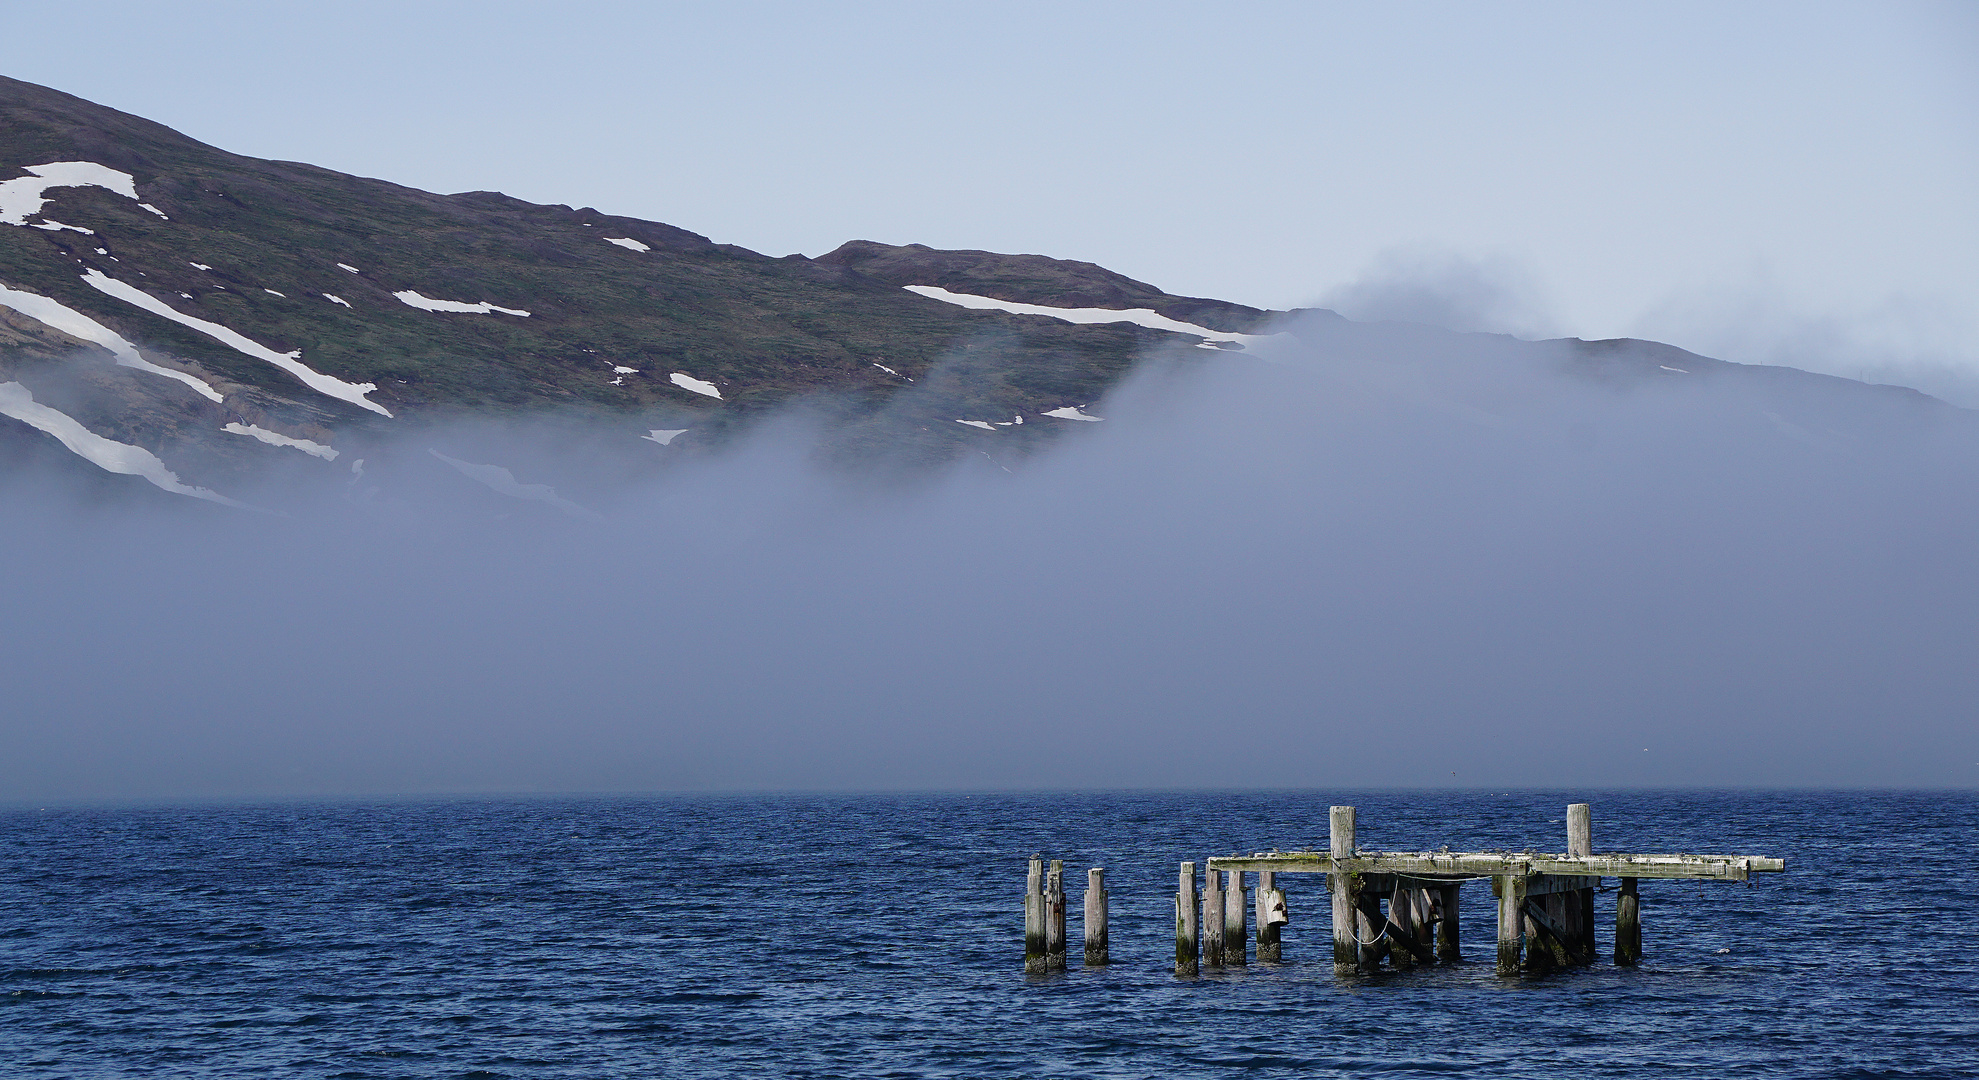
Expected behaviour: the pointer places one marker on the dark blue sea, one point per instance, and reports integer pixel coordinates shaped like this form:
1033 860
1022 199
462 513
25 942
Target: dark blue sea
881 935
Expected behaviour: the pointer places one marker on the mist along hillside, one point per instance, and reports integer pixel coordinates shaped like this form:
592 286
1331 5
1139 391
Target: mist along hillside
176 314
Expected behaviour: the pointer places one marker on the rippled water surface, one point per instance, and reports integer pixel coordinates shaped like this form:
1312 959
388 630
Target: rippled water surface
881 936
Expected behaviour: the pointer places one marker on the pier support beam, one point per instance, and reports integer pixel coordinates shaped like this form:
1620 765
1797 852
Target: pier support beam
1185 921
1545 932
1236 919
1580 842
1346 890
1408 925
1212 921
1054 917
1628 924
1034 945
1511 922
1270 915
1448 948
1095 921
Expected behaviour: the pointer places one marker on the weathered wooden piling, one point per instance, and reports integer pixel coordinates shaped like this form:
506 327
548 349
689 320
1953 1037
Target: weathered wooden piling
1580 843
1448 947
1270 916
1185 921
1236 924
1034 936
1095 921
1628 924
1511 921
1212 920
1054 917
1345 888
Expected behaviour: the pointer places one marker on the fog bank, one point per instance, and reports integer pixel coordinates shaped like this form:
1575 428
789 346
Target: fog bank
1394 556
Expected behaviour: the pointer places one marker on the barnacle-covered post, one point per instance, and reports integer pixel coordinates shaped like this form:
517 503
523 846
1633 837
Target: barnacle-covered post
1034 918
1580 842
1628 924
1511 921
1095 922
1346 893
1212 921
1447 946
1236 919
1034 943
1185 921
1270 916
1054 917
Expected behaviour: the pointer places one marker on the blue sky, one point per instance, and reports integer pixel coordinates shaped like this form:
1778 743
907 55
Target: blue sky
1766 182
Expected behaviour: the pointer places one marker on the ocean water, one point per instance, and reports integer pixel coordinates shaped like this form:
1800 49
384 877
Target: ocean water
881 935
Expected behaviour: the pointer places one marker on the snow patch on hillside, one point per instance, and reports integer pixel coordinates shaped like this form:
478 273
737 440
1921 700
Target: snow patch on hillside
52 313
331 297
627 243
504 481
52 225
1147 317
121 458
984 424
24 197
427 303
689 382
1071 412
276 438
291 362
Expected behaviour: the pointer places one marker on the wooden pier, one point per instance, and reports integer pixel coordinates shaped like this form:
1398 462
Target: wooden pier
1545 903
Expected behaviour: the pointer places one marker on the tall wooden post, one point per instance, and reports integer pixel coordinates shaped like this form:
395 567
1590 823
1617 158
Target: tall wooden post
1236 919
1185 921
1212 922
1034 946
1054 917
1270 915
1346 890
1628 924
1511 922
1448 948
1095 921
1580 842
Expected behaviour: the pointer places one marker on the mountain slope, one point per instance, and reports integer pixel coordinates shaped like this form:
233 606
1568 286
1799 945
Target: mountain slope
222 313
294 257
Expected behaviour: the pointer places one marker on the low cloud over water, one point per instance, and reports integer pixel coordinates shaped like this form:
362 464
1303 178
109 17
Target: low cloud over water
1391 555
